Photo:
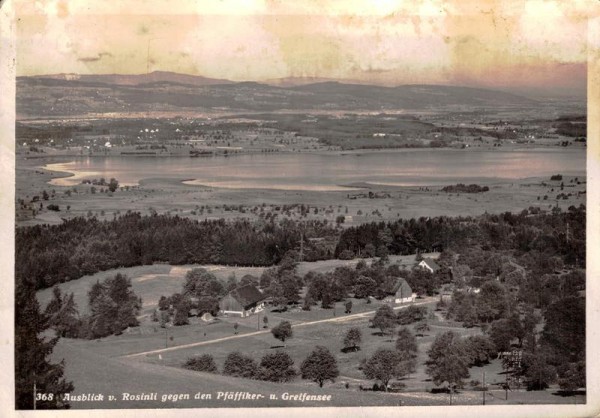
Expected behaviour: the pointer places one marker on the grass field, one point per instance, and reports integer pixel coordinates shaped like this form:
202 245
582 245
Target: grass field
99 367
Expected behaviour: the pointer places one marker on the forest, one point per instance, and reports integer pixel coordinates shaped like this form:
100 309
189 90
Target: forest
51 254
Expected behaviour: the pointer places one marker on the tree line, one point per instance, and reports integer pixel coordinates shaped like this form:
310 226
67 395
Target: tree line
557 233
51 254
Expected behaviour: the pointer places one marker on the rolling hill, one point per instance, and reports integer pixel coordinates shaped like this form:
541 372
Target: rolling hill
78 95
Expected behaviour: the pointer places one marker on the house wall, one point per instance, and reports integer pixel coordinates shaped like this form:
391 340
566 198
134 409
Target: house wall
237 308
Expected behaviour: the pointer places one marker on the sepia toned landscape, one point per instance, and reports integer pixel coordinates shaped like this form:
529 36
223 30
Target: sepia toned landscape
196 240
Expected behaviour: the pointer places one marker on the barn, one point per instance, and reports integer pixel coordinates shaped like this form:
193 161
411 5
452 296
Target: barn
243 301
399 291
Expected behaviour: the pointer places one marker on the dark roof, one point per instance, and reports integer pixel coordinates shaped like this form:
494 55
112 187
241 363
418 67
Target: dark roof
247 295
394 285
431 263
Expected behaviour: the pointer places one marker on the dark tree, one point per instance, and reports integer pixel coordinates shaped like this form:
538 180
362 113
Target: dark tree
208 304
113 305
277 367
32 351
448 360
517 327
265 321
55 303
480 349
348 306
353 339
492 302
572 377
64 320
407 349
290 288
385 319
113 185
422 281
203 363
326 301
319 366
164 318
283 331
411 314
501 334
538 373
164 303
236 364
382 366
182 312
365 287
406 344
200 283
564 330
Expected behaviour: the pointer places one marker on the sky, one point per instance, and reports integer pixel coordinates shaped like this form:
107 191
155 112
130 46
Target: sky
514 44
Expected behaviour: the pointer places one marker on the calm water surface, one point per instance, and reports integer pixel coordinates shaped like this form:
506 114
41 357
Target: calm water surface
331 171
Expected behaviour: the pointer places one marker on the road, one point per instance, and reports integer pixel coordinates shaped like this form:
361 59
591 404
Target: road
250 334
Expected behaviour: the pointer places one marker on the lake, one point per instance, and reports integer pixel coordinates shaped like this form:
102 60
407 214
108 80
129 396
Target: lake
330 172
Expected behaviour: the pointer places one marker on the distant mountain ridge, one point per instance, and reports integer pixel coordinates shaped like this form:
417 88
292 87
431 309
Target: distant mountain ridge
138 79
72 94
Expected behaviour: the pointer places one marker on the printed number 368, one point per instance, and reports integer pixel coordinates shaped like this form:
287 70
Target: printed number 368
44 397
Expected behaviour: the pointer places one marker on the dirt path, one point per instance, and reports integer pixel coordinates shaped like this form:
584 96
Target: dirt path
250 334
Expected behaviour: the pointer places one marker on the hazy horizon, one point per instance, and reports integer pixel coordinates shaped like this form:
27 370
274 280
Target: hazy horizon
290 82
533 47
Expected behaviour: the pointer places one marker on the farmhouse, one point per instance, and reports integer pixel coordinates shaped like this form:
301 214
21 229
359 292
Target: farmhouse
429 264
243 301
399 291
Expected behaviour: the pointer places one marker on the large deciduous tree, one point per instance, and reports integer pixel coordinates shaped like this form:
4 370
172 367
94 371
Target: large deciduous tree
353 339
385 319
319 366
501 334
382 366
201 283
282 331
277 367
406 344
407 349
480 349
448 360
492 302
364 287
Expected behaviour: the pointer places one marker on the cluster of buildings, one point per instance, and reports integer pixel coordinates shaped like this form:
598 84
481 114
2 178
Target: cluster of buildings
249 300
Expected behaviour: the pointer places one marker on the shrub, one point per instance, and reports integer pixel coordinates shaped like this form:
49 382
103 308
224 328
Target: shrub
239 365
203 363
